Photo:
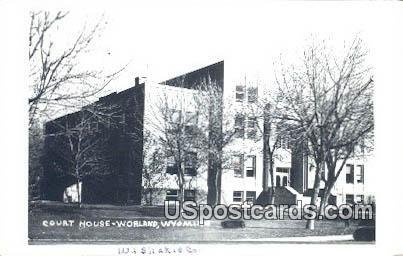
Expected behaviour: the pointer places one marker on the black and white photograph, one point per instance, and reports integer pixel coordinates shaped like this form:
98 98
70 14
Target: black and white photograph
179 128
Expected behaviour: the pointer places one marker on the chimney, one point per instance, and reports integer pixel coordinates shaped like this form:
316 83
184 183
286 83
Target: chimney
140 80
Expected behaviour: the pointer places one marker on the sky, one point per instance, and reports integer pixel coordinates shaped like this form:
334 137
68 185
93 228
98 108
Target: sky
161 43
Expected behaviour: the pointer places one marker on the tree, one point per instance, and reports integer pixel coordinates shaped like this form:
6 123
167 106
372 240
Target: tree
36 141
56 78
191 129
219 113
329 100
173 123
275 131
153 168
81 141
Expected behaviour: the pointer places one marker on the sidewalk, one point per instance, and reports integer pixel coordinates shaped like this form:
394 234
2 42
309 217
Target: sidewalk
305 239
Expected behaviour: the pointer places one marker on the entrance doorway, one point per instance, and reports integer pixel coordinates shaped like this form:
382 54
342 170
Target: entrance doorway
282 176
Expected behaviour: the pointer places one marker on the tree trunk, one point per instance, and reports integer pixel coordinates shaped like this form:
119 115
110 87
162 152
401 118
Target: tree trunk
215 145
214 180
272 189
78 193
181 184
311 223
265 183
324 202
325 199
151 196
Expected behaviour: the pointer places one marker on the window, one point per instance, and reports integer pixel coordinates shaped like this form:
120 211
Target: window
237 196
285 181
252 94
350 174
171 195
349 199
240 93
237 163
283 142
190 195
191 118
174 119
239 126
250 166
190 163
172 168
251 124
190 123
251 196
282 169
359 199
360 174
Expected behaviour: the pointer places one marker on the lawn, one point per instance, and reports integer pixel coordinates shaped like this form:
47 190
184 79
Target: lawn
147 224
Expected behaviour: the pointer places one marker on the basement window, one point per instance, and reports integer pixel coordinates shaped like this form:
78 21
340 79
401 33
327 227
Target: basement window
171 195
190 195
237 196
349 199
251 196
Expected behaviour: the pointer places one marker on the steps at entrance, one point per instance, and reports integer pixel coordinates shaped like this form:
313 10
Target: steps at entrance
283 195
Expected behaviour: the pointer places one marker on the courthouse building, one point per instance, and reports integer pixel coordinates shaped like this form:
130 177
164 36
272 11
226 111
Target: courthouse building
138 176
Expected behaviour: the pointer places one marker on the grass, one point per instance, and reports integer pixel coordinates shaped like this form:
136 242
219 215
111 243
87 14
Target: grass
255 229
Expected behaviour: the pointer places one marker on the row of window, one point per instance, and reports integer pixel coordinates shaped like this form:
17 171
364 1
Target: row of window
251 126
190 195
188 119
241 92
238 196
177 116
190 164
241 196
244 166
351 199
172 195
359 175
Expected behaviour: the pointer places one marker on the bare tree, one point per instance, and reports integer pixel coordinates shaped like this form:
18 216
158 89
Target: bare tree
221 131
329 100
36 140
191 128
173 123
81 140
275 132
56 78
153 168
